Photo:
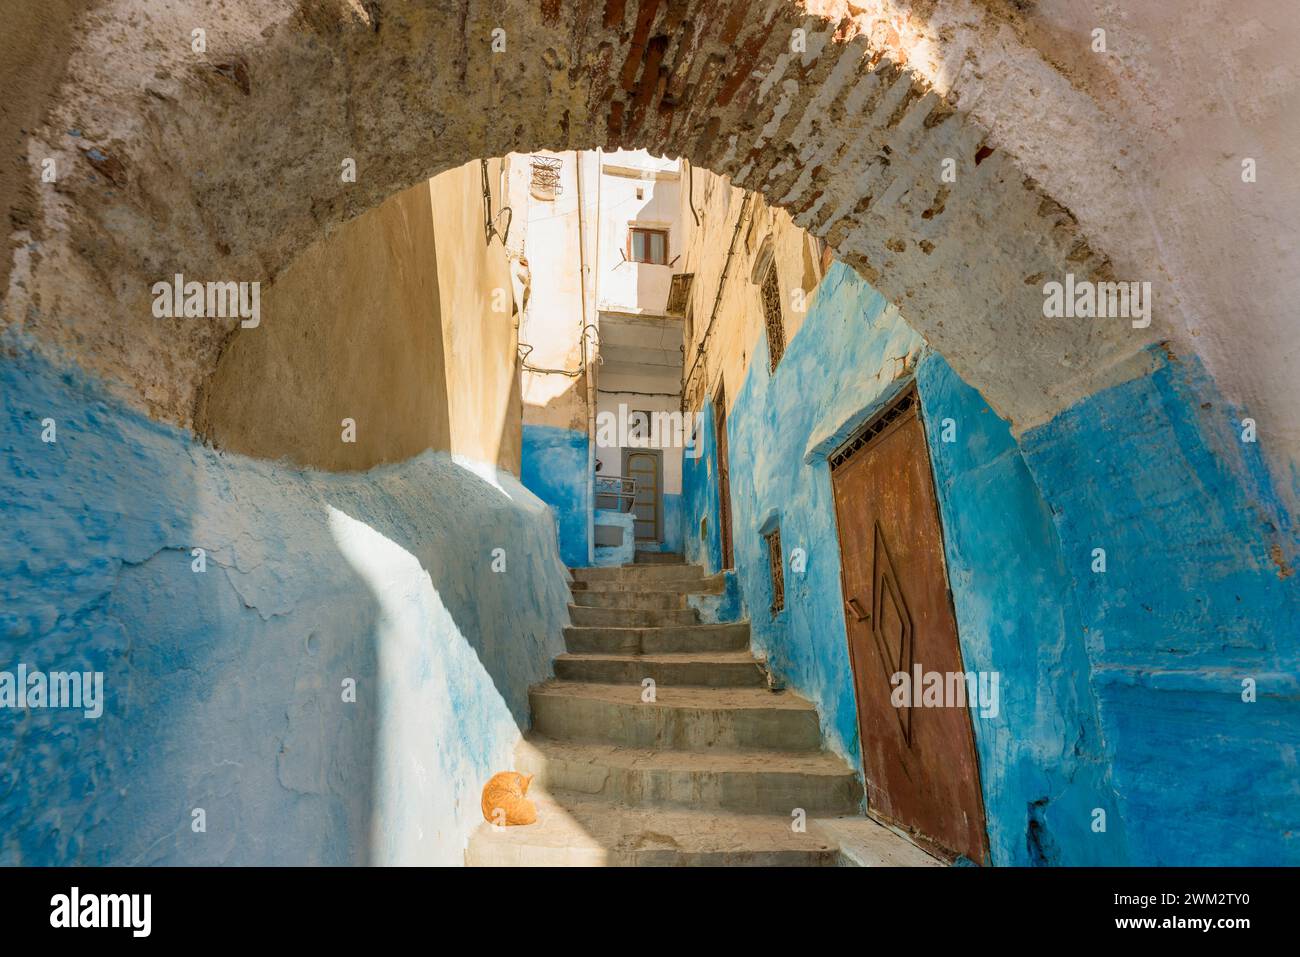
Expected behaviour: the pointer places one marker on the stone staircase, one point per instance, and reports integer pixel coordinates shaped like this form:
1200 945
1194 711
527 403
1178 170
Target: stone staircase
710 772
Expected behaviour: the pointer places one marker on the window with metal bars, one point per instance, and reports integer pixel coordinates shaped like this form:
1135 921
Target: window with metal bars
776 568
905 403
771 294
545 181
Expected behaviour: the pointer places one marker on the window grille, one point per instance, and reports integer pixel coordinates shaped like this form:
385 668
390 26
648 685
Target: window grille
863 437
679 293
545 184
771 294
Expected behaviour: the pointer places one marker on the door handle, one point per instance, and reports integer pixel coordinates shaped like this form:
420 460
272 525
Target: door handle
856 610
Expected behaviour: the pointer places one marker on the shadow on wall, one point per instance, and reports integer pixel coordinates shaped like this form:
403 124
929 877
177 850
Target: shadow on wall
224 689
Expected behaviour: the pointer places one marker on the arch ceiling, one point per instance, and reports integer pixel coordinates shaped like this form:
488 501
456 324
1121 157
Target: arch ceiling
225 164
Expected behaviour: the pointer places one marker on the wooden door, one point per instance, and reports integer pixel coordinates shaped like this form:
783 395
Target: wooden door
645 468
724 478
918 759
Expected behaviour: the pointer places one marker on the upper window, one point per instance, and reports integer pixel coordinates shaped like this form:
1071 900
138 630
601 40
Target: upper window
647 245
772 317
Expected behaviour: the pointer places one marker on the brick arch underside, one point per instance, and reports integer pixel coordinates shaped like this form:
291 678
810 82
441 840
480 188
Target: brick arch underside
226 164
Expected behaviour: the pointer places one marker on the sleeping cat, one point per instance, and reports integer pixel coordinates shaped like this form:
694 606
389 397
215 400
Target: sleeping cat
504 802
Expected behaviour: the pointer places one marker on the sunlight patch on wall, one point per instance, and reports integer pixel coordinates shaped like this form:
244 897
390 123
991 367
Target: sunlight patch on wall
442 725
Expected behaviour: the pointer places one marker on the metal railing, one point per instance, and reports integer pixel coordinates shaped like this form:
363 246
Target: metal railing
616 491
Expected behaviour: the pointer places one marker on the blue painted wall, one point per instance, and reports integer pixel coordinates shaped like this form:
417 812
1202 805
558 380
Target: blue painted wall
700 498
1198 595
1042 762
842 366
613 555
1085 723
224 688
554 467
673 523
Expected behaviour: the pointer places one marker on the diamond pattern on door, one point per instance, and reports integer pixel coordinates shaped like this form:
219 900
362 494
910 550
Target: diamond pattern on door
891 625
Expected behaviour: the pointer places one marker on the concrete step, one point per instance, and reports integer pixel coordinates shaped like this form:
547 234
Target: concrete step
687 719
604 599
659 558
718 669
713 585
632 617
575 831
612 640
637 573
774 782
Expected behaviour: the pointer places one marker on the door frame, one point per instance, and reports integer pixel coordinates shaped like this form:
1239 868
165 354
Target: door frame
722 455
658 456
887 419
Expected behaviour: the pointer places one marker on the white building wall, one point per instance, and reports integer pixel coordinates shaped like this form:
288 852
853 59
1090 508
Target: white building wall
637 189
622 285
552 322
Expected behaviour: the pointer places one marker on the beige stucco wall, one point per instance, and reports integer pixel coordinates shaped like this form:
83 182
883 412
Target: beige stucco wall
387 321
479 330
738 327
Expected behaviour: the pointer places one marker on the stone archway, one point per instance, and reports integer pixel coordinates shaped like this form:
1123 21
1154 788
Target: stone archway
227 162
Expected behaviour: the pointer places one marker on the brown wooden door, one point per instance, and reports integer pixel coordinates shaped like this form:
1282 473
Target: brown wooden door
919 761
724 478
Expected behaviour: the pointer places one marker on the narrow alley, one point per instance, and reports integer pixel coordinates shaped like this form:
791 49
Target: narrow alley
648 434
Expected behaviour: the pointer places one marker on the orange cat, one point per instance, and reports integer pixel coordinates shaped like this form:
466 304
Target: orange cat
504 801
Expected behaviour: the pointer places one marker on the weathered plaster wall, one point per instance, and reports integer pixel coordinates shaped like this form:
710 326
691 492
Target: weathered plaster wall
352 329
626 286
555 470
1042 761
1006 574
674 525
1144 145
608 521
400 320
726 331
479 331
34 49
556 445
224 688
1198 597
550 332
701 543
1116 689
848 136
